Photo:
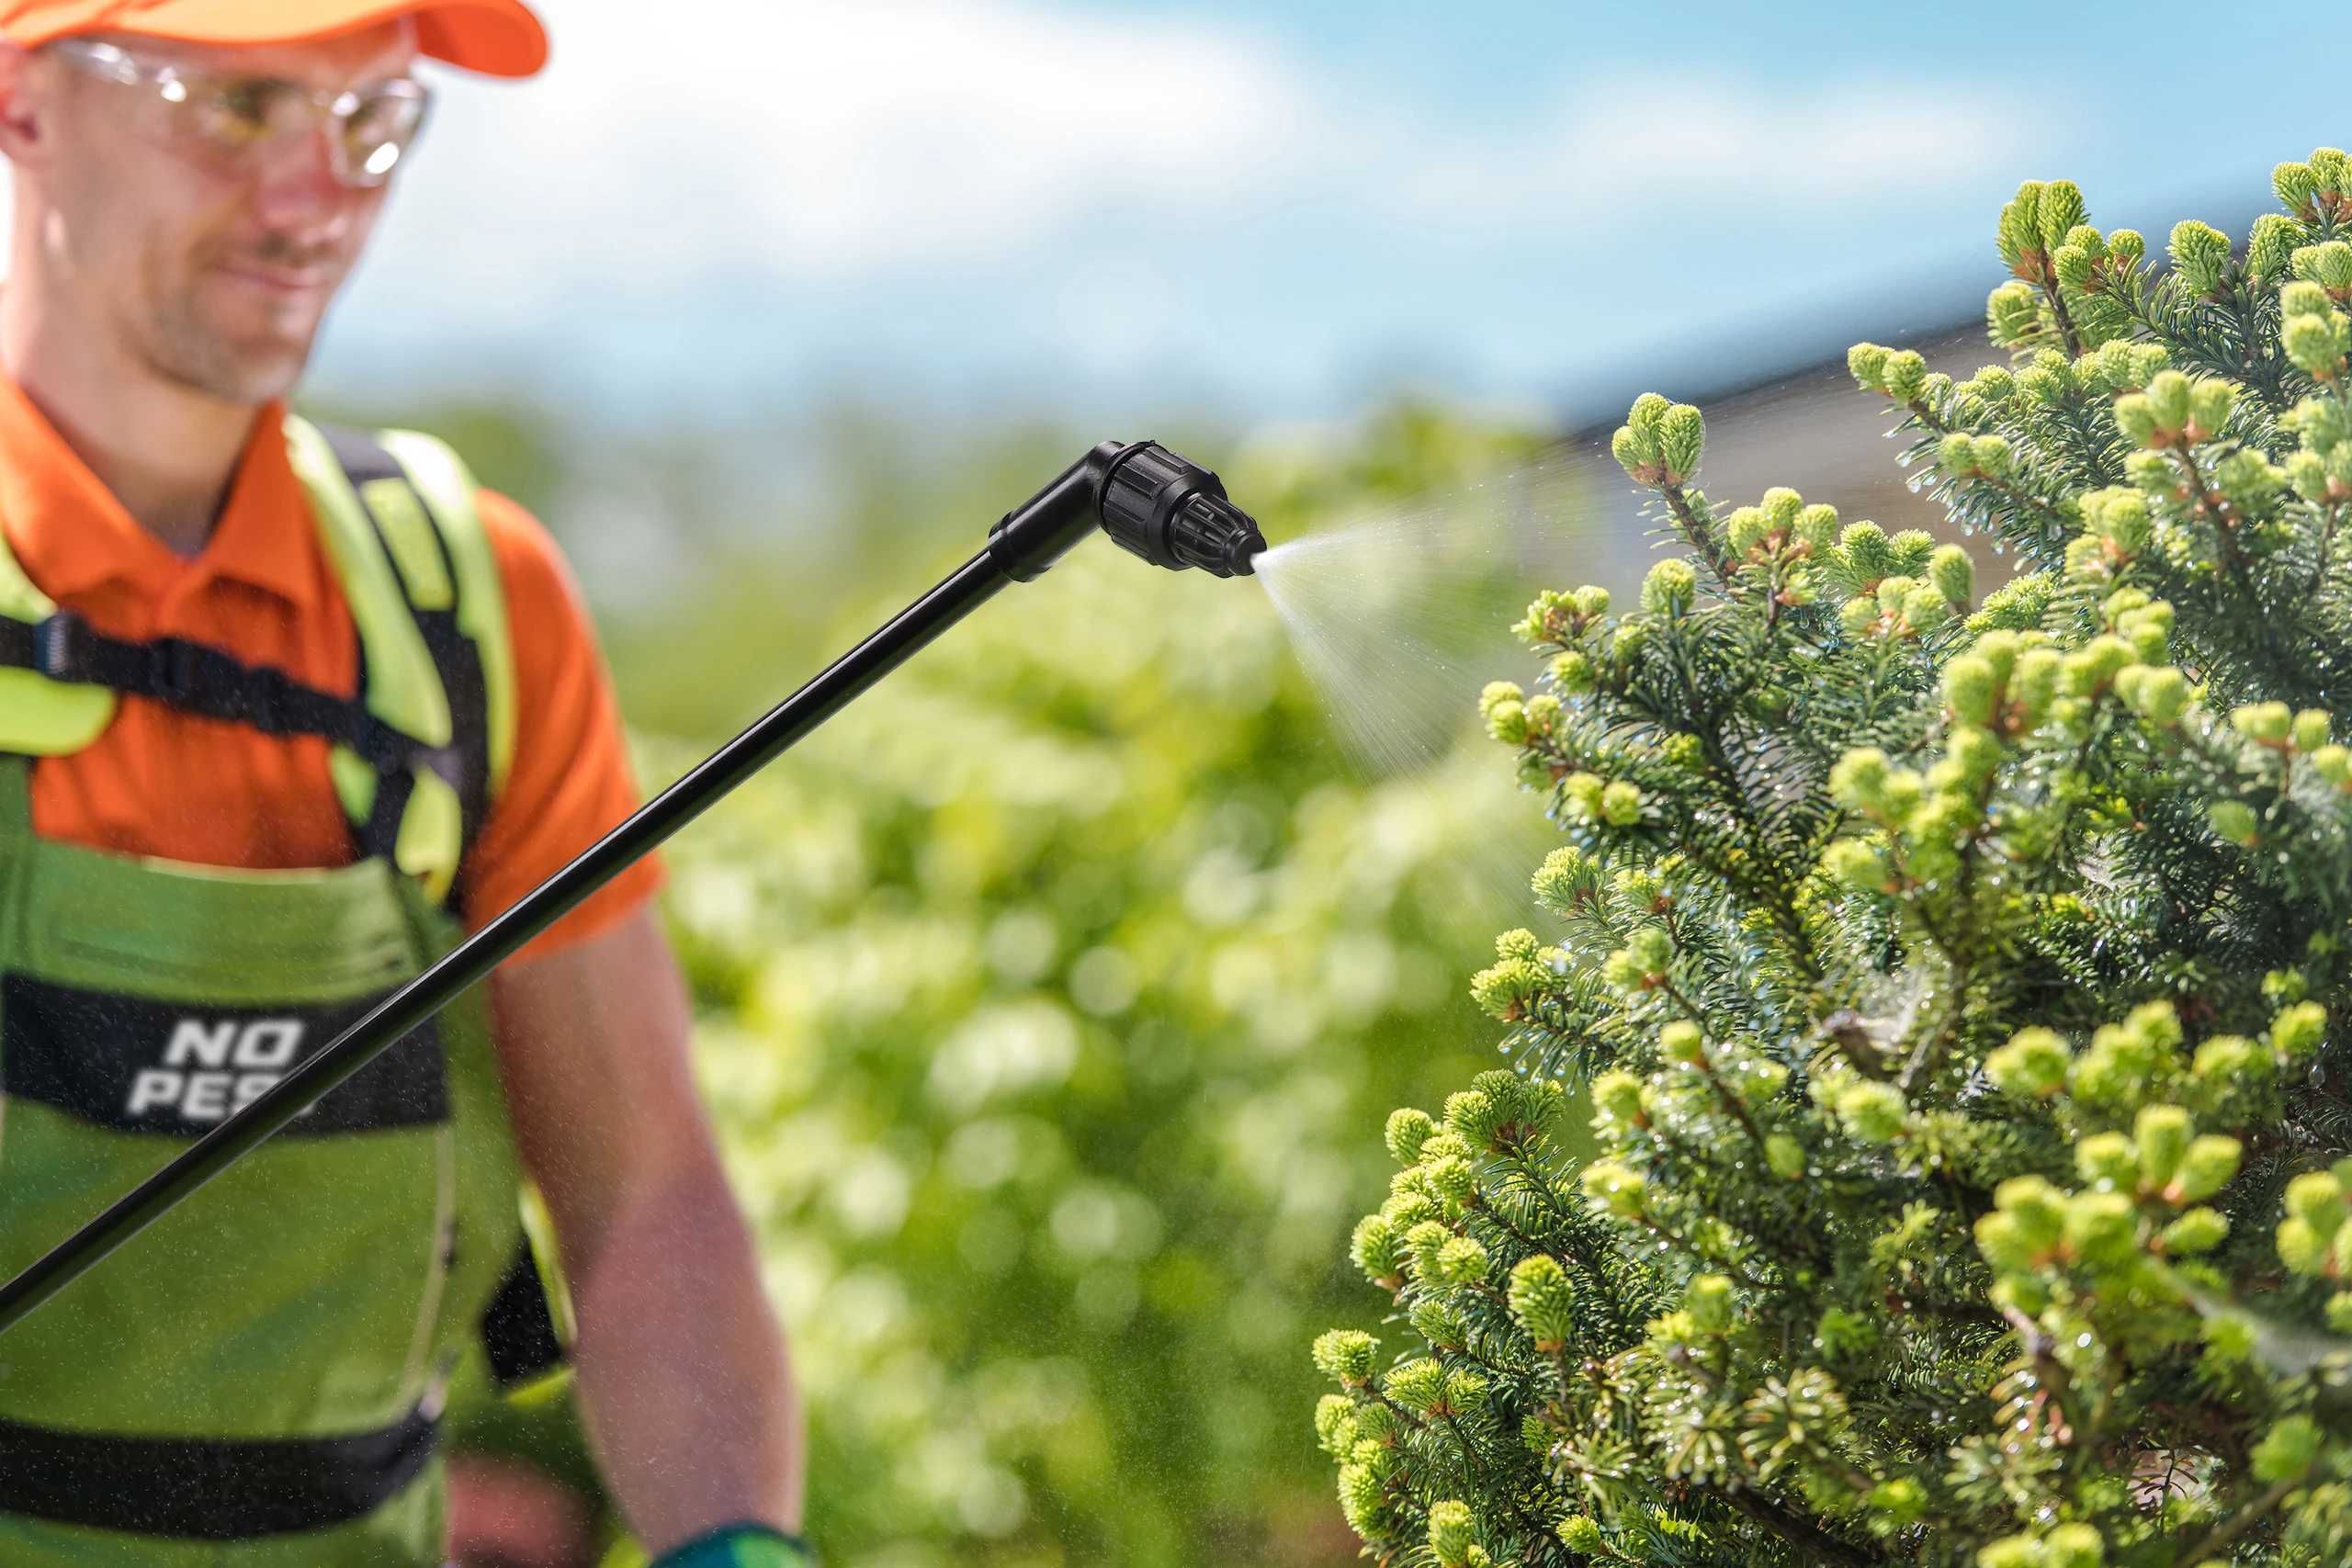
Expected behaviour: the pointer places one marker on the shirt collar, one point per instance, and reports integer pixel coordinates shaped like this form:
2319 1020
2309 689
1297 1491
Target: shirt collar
72 535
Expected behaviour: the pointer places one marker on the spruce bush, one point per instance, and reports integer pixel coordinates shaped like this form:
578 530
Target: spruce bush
1953 986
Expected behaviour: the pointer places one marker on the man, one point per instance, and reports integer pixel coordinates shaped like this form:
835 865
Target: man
281 710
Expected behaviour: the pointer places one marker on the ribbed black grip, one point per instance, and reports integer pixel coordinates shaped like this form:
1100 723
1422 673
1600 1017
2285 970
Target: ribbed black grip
1175 513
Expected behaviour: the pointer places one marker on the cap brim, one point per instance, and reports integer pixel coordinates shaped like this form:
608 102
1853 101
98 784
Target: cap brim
496 38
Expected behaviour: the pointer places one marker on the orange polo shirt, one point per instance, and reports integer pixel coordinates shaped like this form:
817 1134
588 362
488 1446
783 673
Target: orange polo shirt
164 783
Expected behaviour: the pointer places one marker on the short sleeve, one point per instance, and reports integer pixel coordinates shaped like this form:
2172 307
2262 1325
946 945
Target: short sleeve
570 781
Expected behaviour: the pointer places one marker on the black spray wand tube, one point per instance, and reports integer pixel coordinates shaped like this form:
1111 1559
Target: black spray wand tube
1024 544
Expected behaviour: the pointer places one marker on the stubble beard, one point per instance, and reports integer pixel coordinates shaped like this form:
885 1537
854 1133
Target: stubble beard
185 348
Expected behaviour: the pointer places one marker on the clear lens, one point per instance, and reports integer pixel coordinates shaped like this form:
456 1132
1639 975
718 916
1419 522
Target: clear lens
230 119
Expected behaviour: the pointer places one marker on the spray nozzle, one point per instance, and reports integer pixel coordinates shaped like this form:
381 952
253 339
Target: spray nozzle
1163 507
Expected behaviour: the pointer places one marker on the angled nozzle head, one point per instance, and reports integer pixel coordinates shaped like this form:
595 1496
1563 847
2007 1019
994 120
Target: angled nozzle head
1175 513
1171 512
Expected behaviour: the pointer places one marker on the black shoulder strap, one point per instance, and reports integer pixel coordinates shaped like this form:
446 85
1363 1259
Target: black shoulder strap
202 680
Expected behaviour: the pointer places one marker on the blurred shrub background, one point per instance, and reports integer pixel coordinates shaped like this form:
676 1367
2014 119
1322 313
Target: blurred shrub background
1048 996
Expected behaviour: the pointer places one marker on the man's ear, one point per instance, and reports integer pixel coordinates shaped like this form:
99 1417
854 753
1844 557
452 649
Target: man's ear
26 105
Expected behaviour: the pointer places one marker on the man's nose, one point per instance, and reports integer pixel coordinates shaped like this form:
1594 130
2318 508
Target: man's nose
296 177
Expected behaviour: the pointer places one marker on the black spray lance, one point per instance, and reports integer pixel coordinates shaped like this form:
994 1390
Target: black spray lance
1151 501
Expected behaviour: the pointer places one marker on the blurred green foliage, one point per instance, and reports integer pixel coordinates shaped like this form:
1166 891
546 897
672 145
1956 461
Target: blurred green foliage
1045 996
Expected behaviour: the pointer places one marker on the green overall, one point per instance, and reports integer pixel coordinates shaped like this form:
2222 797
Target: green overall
255 1380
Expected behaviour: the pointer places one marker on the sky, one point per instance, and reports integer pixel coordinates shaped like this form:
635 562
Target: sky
1129 209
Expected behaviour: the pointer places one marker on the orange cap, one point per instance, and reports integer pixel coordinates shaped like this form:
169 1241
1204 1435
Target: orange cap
497 38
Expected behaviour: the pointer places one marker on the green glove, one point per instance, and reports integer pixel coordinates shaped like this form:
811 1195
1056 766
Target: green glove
741 1546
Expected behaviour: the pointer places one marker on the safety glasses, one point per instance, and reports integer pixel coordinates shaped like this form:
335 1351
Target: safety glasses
231 120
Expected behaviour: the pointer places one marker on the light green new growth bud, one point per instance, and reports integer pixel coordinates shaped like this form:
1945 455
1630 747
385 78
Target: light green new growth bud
2207 1164
2104 1160
1363 1500
1783 505
1681 437
2103 1228
2210 403
2233 821
1872 1113
2031 1066
1335 1424
2162 1134
2199 1230
1709 1304
1667 588
1867 363
1647 410
2072 266
2307 471
1496 693
2317 1199
1972 690
2331 169
1450 1534
1422 1245
2126 246
1953 455
1617 1097
2155 1028
1859 615
2011 1552
1746 528
2168 395
1906 374
1580 1533
1407 1131
2304 298
2311 344
1626 447
2012 314
1544 1301
2297 1030
2269 247
1344 1355
2160 695
1615 1188
2329 264
1418 1384
1785 1155
1379 1251
1683 1042
2060 210
1621 805
2334 763
1460 1261
2296 185
1859 866
2072 1546
1565 878
2021 229
1954 575
1858 779
2287 1451
2201 253
2311 731
2135 416
1507 722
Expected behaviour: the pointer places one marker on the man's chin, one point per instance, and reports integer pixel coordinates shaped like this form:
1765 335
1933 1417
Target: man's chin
244 372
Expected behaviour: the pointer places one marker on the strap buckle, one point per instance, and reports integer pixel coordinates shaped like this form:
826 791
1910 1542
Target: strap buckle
62 646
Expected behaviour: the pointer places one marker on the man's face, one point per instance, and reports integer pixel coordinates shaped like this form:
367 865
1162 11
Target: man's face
215 273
